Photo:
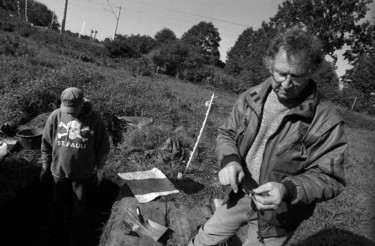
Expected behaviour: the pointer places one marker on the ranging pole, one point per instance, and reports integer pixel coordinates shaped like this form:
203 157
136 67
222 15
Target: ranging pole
200 132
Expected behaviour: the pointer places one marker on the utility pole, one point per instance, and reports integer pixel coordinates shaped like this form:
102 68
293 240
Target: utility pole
64 20
52 20
26 18
116 16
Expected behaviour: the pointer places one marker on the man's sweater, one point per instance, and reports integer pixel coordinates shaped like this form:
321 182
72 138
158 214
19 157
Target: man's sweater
273 113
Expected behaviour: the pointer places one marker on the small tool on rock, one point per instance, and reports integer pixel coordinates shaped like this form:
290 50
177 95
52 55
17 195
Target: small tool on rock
148 227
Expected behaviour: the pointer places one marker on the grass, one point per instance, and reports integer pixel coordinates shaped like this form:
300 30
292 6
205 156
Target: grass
36 68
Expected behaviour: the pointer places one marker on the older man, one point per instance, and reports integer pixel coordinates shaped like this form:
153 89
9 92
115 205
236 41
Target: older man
281 149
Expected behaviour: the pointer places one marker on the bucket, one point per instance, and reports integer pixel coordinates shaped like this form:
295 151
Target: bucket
30 138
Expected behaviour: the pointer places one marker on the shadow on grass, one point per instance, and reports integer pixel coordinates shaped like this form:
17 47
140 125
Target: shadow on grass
335 237
188 185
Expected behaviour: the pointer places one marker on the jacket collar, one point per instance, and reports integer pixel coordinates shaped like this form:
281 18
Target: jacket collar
256 97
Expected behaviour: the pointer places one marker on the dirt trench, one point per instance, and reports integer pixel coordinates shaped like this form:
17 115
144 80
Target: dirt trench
23 217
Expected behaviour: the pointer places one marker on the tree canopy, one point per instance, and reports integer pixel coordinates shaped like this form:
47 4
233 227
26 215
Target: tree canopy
165 36
206 37
245 58
133 46
335 22
37 13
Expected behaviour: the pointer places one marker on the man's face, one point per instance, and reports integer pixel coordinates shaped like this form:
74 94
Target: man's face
77 112
290 76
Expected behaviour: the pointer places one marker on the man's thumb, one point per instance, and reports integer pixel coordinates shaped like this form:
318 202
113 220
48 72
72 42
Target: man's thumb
241 175
235 186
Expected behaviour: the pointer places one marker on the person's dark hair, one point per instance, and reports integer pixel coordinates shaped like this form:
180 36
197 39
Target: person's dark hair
295 40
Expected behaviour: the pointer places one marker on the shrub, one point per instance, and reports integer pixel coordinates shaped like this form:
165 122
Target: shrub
26 31
178 59
141 66
13 46
129 47
7 26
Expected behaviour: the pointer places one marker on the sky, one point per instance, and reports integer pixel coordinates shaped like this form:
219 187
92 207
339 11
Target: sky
147 17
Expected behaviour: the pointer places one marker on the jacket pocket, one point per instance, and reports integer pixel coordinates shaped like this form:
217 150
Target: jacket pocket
291 144
239 135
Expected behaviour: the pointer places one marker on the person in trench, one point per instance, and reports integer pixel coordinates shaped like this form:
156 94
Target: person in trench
75 147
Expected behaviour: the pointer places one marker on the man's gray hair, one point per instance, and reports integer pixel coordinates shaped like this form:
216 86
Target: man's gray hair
294 41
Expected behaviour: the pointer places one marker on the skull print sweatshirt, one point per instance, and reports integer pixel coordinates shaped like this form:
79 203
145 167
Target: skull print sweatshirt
74 147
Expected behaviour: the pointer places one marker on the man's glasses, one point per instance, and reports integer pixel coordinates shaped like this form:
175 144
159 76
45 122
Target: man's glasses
281 78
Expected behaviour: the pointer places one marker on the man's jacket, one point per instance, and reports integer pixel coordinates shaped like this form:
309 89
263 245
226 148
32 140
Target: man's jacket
306 153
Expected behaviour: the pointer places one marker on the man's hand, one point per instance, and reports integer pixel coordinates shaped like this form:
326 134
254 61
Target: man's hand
44 172
269 196
232 174
99 176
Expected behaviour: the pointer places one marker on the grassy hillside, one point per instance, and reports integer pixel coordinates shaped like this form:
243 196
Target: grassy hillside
35 66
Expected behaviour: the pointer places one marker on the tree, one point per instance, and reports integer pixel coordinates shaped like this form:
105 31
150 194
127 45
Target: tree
10 5
39 14
362 76
336 22
206 38
165 36
245 58
328 82
178 59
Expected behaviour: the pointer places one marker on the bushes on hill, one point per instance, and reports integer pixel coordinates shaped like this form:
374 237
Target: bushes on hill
13 46
129 47
165 36
178 59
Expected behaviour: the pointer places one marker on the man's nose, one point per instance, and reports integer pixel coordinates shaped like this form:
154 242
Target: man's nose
288 83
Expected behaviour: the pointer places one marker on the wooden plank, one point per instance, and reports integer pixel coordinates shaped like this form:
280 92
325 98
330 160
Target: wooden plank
184 220
155 211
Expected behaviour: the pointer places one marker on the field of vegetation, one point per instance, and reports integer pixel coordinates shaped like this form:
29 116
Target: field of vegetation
36 65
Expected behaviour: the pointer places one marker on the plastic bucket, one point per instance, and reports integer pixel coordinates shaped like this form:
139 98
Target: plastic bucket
30 138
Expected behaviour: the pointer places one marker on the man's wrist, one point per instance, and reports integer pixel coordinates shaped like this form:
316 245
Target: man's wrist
290 191
230 158
45 166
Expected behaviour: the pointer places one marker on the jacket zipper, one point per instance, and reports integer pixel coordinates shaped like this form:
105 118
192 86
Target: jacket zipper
291 146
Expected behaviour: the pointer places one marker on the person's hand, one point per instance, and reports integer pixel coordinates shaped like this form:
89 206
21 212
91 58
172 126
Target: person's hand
232 174
44 172
269 196
99 176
